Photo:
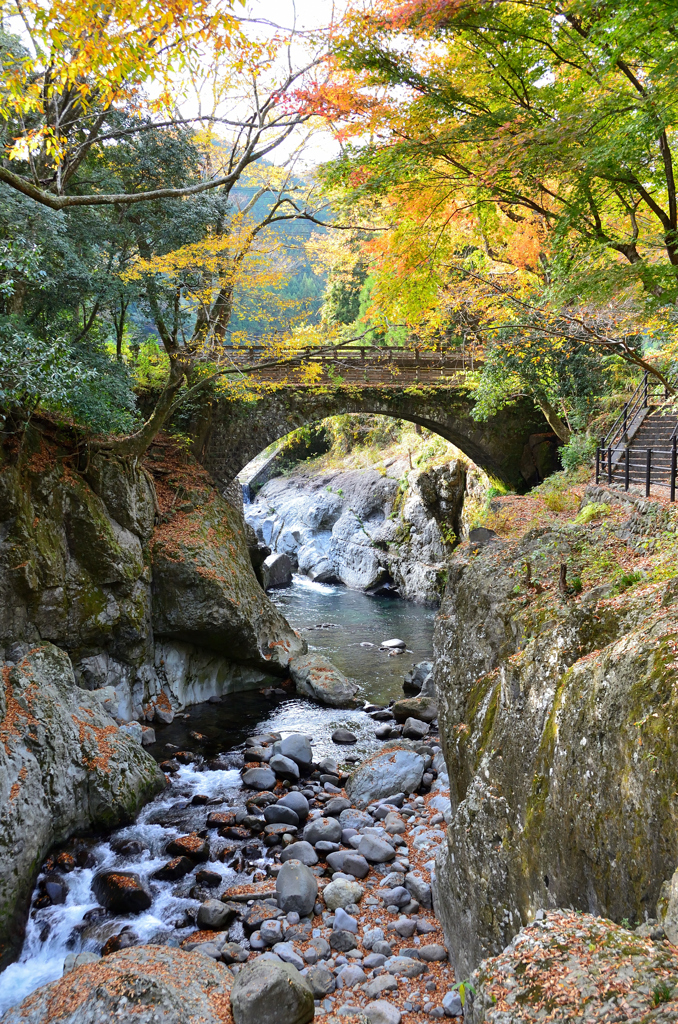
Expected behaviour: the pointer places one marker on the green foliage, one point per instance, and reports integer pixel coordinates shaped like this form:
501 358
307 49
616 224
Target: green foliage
594 510
578 451
662 993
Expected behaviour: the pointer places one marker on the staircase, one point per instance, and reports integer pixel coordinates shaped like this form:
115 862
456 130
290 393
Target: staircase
641 447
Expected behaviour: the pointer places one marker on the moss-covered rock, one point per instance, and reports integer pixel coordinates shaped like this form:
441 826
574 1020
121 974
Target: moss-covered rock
64 766
558 724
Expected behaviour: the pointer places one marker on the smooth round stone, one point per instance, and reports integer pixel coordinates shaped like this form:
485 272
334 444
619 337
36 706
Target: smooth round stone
277 829
327 829
284 767
259 778
302 851
432 953
280 813
343 736
298 803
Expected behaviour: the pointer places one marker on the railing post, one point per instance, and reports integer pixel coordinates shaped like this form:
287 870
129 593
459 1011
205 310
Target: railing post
626 468
673 468
597 465
645 390
626 416
648 472
609 465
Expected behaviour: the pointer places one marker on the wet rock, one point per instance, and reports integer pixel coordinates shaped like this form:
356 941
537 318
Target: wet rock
343 736
253 823
284 767
123 940
74 960
174 869
381 1012
259 778
125 847
414 680
321 981
54 890
234 832
393 644
297 747
342 893
213 915
318 678
276 571
394 768
191 846
414 729
160 983
325 829
279 814
212 879
297 888
302 851
266 990
383 732
121 892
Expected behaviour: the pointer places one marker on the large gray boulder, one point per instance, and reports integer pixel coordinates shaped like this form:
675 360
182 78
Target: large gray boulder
64 767
150 984
269 990
296 887
276 571
322 830
259 778
396 768
316 677
297 747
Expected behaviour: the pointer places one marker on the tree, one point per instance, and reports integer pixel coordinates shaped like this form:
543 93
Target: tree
91 114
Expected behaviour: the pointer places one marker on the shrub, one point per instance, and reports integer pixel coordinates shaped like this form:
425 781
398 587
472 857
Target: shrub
578 451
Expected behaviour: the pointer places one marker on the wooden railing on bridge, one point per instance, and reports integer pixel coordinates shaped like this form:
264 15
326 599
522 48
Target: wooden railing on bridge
369 365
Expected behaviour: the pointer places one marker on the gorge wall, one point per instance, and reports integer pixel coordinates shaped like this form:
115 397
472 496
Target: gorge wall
140 572
382 530
557 712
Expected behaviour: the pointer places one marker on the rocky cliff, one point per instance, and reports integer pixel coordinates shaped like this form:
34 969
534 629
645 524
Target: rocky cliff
65 766
378 530
557 679
140 572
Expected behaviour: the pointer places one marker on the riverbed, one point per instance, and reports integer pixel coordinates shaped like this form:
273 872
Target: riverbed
347 627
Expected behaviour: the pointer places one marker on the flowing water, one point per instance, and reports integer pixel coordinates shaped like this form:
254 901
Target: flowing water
352 626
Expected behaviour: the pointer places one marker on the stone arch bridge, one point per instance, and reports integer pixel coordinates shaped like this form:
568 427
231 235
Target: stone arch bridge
516 446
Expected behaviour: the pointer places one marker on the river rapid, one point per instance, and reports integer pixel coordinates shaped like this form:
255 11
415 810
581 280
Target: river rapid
347 627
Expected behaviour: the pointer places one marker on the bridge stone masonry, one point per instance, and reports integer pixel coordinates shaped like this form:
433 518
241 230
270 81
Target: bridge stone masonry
515 447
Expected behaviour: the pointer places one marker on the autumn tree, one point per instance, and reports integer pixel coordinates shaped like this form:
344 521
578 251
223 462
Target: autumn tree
99 108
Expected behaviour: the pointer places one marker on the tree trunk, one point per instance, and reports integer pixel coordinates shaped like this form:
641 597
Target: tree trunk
554 420
136 444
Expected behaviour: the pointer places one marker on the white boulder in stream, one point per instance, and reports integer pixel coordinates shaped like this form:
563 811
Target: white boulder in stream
316 677
395 769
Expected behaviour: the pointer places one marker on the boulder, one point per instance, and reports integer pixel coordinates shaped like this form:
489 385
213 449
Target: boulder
174 869
270 990
414 680
327 829
375 850
276 571
433 953
394 644
302 851
259 778
350 863
298 803
67 768
151 983
297 747
316 677
121 892
423 709
284 767
296 887
191 846
395 767
414 729
419 889
321 981
381 1012
343 736
280 813
213 915
342 893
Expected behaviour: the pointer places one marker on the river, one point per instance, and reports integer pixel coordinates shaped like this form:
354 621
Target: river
352 625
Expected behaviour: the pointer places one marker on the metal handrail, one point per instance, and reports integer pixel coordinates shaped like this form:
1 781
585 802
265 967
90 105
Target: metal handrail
640 457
